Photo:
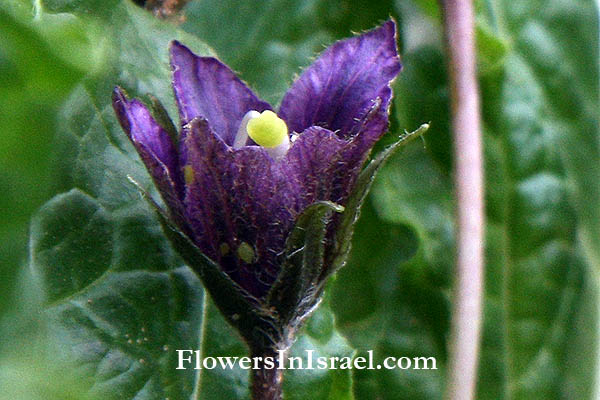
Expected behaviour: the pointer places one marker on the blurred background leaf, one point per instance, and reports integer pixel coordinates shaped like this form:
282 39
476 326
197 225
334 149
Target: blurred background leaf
35 80
538 69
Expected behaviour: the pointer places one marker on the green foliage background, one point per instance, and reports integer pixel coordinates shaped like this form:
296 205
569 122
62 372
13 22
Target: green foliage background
95 302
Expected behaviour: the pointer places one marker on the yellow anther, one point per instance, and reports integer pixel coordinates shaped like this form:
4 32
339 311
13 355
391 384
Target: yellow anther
246 253
188 174
267 130
224 249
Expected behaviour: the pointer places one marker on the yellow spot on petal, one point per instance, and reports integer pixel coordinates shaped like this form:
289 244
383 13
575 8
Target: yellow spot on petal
188 174
246 253
267 130
224 249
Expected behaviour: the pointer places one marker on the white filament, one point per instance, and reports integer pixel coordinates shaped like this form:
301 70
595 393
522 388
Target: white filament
241 138
277 152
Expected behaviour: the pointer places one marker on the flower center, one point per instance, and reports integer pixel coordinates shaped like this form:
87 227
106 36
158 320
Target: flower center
266 129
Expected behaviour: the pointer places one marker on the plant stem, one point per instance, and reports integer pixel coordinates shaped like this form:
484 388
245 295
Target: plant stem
267 383
466 316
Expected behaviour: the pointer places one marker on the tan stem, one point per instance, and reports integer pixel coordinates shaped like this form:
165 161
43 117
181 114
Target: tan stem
466 313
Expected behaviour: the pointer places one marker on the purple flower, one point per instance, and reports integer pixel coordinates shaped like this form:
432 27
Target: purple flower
238 176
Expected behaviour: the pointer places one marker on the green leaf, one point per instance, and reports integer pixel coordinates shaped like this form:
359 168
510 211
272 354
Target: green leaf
389 311
71 222
535 275
543 274
119 303
343 235
35 80
396 268
571 33
492 49
21 380
538 266
117 324
95 7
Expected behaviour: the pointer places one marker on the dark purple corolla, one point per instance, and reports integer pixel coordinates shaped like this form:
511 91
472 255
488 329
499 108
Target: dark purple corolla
252 194
238 203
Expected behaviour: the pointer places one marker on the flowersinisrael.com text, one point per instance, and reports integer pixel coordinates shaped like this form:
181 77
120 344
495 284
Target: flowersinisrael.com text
192 359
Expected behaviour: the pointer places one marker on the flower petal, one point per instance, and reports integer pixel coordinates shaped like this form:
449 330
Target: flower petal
206 88
155 147
341 87
322 166
142 129
238 200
